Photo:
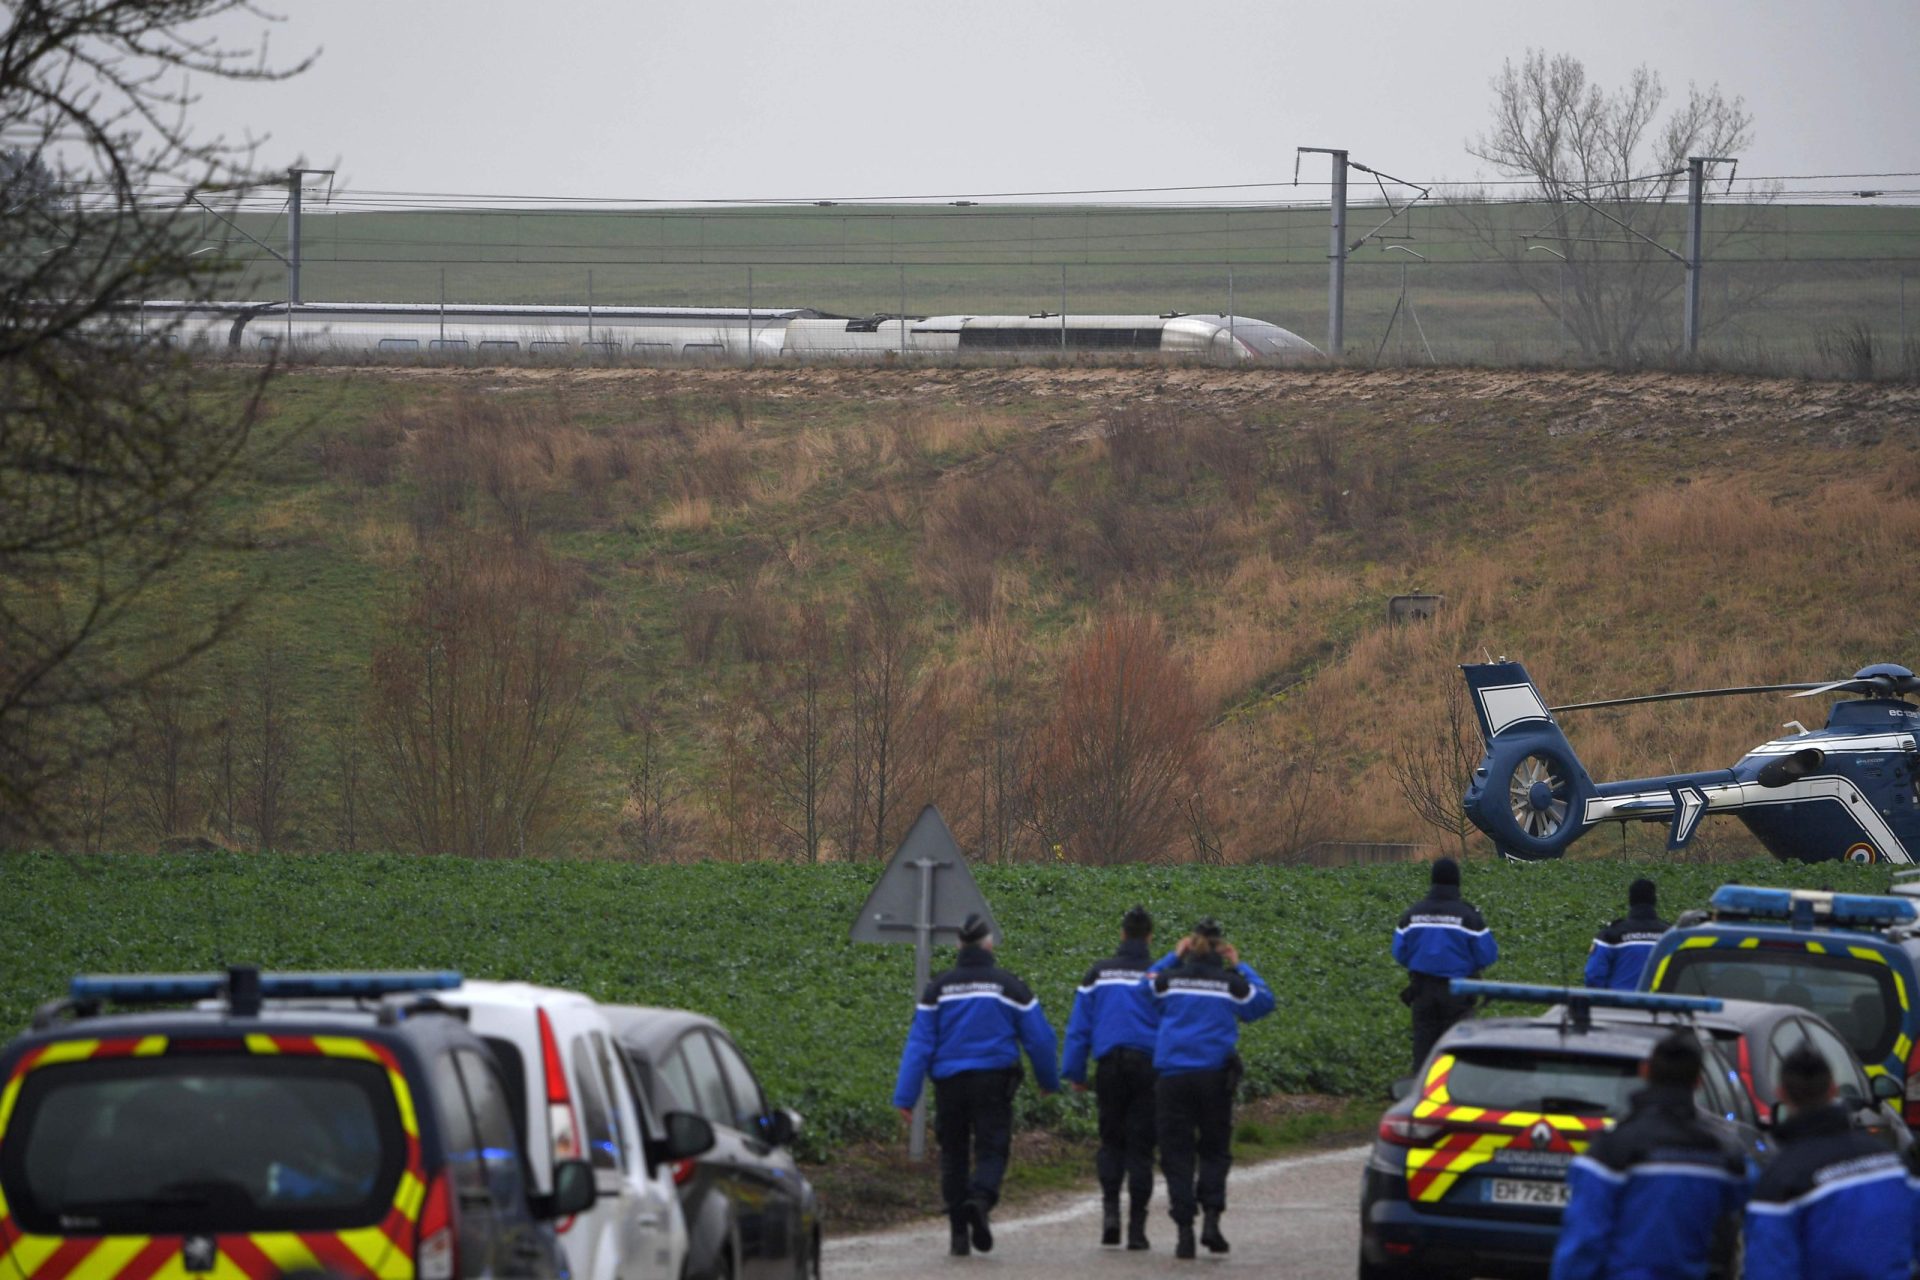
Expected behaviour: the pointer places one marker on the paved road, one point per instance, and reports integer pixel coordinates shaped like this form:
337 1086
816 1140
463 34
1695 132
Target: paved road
1297 1217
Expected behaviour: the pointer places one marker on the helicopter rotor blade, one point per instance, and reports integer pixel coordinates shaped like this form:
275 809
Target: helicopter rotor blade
1835 686
1809 686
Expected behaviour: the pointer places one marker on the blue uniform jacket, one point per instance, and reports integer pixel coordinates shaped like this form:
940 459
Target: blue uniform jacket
1647 1196
1621 949
1202 1004
1443 936
975 1017
1834 1205
1113 1008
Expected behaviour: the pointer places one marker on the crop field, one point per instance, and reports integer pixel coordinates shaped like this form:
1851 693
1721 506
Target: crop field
764 948
1815 269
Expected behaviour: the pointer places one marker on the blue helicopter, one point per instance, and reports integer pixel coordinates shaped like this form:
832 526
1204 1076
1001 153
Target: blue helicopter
1847 791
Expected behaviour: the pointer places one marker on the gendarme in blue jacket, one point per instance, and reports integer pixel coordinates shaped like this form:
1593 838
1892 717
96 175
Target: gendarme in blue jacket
1203 1001
975 1017
1834 1205
1113 1008
1621 949
1444 937
1647 1196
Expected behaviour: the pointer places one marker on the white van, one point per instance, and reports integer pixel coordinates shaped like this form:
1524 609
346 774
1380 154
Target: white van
574 1097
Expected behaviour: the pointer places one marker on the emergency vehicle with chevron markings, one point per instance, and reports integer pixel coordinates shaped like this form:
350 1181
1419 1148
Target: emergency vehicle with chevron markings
358 1129
1468 1172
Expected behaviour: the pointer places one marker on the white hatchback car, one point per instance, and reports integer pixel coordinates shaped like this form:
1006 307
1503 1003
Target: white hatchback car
574 1097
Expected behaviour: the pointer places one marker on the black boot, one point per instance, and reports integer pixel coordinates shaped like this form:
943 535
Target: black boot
1210 1232
1137 1227
959 1247
1184 1248
1110 1221
982 1229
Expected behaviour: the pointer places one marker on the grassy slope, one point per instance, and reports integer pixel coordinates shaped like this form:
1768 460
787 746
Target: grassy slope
764 947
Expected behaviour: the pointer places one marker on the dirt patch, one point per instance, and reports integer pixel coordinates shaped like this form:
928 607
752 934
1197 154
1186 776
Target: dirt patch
874 1184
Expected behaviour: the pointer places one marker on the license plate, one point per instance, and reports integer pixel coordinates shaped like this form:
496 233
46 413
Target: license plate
1546 1195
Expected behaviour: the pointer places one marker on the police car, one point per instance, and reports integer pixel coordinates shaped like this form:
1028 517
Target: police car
1851 958
359 1129
1467 1175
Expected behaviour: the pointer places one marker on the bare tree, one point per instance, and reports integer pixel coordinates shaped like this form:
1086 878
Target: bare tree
998 732
478 689
887 714
163 757
1123 751
347 757
647 823
268 744
1435 762
798 710
108 459
1604 167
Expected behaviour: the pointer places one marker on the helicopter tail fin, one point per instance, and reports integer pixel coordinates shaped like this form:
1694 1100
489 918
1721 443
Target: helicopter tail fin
1530 792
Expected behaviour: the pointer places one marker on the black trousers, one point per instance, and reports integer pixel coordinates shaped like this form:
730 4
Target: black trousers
973 1122
1124 1087
1434 1010
1195 1123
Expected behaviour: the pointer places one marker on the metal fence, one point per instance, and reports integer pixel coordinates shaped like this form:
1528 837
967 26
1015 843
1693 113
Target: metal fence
1787 287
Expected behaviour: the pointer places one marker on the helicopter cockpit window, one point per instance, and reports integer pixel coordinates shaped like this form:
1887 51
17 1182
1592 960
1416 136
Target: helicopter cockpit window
1856 996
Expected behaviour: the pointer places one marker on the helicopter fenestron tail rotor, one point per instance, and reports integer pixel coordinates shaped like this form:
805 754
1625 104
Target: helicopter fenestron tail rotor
1540 793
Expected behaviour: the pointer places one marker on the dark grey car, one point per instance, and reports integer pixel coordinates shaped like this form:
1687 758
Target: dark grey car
750 1212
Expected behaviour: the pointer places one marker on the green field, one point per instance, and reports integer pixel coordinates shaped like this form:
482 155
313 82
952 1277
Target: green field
764 948
1818 269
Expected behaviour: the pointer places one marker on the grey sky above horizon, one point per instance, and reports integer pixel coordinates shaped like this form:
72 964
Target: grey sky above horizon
832 99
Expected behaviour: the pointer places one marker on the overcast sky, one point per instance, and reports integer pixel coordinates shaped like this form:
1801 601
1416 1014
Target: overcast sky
829 98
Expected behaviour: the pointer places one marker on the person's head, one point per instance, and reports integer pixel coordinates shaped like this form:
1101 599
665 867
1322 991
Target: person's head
1446 871
1675 1061
976 932
1136 925
1806 1081
1206 938
1641 893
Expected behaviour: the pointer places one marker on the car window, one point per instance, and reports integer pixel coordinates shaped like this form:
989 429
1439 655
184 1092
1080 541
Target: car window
1522 1080
709 1086
457 1130
592 1097
1856 996
513 1073
678 1082
617 1088
1713 1093
492 1119
637 1078
748 1103
269 1142
1847 1076
1720 1068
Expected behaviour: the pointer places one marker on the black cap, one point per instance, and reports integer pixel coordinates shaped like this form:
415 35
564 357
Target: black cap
1136 923
1446 871
1641 892
1208 927
974 928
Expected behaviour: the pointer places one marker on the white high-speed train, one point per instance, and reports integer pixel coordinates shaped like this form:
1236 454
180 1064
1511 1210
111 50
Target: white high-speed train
575 332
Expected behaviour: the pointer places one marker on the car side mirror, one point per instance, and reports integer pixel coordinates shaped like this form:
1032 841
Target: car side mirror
1886 1089
1400 1088
574 1190
780 1126
688 1135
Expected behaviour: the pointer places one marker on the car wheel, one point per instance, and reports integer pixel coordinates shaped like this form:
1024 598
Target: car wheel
1372 1271
723 1265
810 1262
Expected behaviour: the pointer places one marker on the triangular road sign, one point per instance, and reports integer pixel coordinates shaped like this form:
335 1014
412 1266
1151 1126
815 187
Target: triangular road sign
928 856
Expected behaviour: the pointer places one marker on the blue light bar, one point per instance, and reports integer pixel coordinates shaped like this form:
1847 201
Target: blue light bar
1810 905
1593 999
176 988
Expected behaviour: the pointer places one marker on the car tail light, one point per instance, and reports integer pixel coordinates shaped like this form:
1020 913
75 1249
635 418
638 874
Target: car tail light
1405 1131
437 1255
1912 1110
1745 1066
682 1170
566 1135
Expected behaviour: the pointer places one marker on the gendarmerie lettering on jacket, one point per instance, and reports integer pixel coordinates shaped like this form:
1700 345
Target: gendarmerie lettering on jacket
1444 936
1113 1008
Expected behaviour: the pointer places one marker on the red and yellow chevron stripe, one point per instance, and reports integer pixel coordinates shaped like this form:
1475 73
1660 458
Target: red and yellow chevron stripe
1474 1135
382 1252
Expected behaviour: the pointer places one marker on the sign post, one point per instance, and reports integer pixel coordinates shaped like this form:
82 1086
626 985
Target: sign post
923 896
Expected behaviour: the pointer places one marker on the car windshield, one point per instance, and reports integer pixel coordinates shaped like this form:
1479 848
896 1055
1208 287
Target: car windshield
202 1142
1856 996
1564 1084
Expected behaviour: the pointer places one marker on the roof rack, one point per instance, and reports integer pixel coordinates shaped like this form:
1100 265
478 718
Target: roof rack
243 987
1582 1001
1806 908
